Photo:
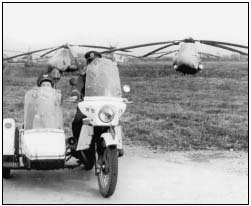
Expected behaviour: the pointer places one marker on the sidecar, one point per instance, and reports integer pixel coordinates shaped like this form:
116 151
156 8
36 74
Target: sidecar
41 143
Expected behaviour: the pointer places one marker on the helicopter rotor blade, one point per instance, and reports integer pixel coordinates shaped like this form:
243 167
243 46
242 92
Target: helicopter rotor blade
226 48
223 43
27 53
161 48
91 46
128 55
55 49
166 53
99 47
115 46
125 50
138 46
163 52
206 54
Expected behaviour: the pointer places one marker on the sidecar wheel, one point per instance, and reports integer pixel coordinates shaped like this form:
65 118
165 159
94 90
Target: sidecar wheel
107 177
6 173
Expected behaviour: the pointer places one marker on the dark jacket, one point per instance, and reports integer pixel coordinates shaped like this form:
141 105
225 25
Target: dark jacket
79 89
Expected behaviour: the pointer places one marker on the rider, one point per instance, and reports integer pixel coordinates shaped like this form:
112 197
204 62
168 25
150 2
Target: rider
78 92
45 80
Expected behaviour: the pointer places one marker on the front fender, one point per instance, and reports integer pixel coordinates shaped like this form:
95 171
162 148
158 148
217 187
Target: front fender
109 139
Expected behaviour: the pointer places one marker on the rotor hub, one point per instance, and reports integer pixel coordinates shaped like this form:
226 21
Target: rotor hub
189 40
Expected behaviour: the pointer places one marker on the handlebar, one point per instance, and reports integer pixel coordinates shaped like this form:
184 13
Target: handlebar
72 100
127 101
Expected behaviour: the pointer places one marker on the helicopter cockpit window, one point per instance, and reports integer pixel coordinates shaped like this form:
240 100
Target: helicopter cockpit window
43 109
102 79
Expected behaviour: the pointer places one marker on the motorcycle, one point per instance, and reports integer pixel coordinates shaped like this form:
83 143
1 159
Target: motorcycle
100 139
42 144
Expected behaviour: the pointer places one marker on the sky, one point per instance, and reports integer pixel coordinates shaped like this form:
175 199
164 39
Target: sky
30 26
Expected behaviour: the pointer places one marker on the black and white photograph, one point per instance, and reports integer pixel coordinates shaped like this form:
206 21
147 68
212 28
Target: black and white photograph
125 103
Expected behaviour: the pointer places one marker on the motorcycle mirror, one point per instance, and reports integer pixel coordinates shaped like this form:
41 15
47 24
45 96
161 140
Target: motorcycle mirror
126 88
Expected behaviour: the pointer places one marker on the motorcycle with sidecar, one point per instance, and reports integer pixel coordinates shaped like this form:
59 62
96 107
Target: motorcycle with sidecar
41 143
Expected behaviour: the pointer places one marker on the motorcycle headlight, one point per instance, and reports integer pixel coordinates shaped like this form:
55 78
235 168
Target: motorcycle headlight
106 114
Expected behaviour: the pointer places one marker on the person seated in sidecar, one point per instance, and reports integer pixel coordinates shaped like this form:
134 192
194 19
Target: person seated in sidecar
78 92
45 80
43 105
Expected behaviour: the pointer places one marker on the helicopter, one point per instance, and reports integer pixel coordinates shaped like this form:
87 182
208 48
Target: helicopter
64 60
188 59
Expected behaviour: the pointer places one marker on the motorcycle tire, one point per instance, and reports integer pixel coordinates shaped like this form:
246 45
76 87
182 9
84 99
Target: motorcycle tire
108 175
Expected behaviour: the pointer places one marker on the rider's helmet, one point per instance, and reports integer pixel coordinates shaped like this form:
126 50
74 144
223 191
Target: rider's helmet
43 78
91 55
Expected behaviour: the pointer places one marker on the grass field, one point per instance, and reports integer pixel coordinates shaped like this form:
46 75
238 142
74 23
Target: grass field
170 111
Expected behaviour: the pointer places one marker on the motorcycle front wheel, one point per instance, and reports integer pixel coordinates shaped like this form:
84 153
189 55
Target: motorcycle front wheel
107 177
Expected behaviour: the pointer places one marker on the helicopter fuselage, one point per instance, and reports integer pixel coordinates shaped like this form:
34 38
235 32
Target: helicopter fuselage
187 60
